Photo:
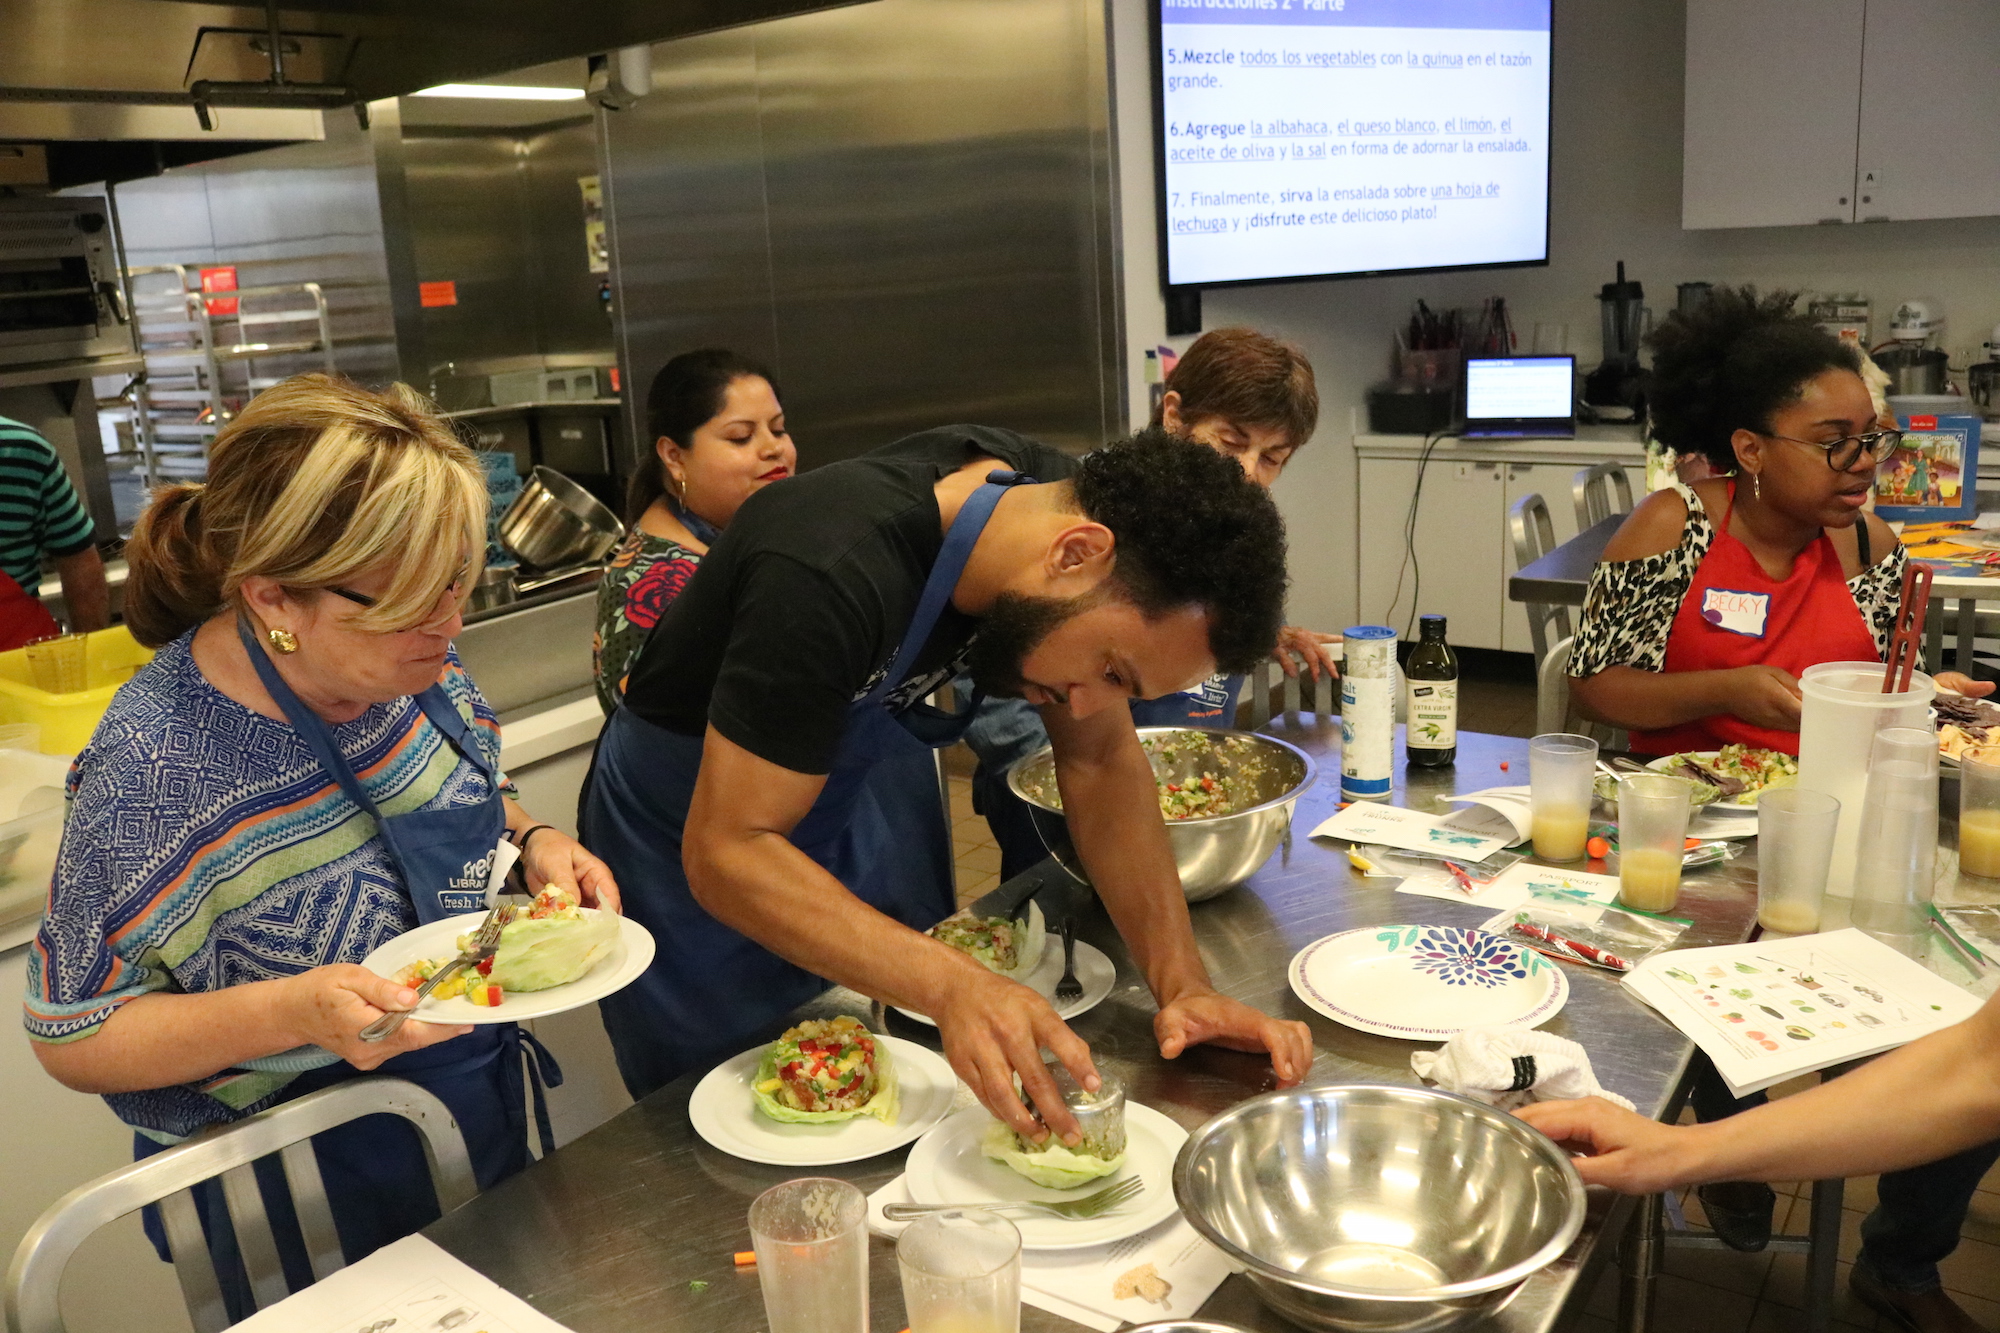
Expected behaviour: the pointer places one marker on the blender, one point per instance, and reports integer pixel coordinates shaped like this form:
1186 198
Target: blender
1616 390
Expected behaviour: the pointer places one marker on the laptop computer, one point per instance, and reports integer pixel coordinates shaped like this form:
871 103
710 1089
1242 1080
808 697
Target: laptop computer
1519 397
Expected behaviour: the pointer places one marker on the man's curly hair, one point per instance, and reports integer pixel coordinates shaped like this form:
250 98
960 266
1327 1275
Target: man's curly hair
1729 364
1191 529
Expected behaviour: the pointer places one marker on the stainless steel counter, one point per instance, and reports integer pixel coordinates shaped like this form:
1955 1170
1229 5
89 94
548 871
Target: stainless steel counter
606 1234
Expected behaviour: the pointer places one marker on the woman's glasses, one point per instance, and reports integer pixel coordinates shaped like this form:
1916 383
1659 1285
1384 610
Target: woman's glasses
1845 452
363 599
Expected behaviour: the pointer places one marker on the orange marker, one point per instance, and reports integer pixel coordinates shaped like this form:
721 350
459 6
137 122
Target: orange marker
746 1258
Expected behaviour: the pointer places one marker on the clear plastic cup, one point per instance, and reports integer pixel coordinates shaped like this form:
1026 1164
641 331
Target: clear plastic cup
811 1238
1895 857
1979 812
1561 770
1795 829
961 1273
1652 838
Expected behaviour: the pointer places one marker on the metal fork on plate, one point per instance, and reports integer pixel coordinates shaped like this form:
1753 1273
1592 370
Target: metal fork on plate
1090 1205
483 946
1069 990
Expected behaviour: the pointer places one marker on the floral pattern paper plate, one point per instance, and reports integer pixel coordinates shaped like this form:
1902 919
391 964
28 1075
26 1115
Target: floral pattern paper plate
1427 983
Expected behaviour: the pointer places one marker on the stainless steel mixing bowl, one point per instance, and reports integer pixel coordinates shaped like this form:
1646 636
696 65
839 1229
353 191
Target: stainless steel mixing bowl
1377 1208
554 523
1214 853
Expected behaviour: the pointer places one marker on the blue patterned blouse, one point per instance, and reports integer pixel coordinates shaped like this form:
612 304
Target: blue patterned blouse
206 847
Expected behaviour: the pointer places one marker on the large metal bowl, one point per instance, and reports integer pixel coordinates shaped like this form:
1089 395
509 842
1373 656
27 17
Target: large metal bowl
554 523
1212 854
1376 1208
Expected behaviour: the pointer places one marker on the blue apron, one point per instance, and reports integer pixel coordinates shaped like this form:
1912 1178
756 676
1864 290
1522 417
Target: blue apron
376 1178
711 991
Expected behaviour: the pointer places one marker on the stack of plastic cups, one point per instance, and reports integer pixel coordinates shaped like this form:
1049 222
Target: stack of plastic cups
1367 712
1843 708
1896 850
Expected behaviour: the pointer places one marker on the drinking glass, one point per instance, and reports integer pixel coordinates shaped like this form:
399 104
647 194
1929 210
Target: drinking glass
811 1238
961 1273
1561 769
1795 829
1895 851
1652 838
1979 811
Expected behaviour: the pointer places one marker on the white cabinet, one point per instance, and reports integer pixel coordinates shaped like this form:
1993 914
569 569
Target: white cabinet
1810 111
1768 130
1555 483
1459 566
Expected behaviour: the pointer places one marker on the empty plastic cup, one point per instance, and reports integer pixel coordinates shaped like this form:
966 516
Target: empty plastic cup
811 1238
1795 830
1652 838
1561 770
1895 852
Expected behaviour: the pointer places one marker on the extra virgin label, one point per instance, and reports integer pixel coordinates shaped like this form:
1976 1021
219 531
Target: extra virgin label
1432 714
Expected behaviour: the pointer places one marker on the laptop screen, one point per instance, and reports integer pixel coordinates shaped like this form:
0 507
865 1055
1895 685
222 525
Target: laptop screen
1519 388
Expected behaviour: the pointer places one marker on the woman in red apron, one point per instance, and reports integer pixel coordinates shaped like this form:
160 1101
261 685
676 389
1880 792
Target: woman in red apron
1710 602
1712 599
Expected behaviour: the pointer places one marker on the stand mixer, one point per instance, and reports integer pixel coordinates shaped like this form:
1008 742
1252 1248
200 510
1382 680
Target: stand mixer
1911 360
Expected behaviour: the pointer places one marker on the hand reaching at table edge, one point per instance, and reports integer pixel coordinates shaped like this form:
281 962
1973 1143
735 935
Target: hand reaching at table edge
1198 1017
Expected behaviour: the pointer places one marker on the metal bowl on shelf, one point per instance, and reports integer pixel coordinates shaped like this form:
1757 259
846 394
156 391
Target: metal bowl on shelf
1212 853
1379 1209
555 522
494 588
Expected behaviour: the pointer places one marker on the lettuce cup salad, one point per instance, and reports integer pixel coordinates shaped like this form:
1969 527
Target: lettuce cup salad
1011 948
1053 1164
824 1071
552 944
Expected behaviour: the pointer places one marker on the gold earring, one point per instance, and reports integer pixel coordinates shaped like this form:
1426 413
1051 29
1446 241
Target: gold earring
1756 487
283 640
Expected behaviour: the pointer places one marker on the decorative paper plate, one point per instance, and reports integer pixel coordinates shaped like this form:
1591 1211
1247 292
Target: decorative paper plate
725 1114
1427 983
947 1166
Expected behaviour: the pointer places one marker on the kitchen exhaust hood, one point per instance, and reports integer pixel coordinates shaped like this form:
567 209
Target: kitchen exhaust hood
121 88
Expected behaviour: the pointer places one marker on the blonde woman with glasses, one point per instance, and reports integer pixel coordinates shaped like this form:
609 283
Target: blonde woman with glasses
302 773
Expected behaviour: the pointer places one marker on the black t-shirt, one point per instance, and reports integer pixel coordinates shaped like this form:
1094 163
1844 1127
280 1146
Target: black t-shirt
798 609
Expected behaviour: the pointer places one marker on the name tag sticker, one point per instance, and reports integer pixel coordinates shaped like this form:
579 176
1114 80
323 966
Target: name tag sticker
1737 612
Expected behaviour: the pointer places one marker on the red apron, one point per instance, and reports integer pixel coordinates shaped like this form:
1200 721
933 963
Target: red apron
23 619
1736 615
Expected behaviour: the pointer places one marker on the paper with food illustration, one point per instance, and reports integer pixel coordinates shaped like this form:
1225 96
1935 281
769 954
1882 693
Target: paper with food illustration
1472 834
412 1284
1769 1011
1514 887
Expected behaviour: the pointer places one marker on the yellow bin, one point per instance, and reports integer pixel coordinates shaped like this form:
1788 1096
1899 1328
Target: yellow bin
111 657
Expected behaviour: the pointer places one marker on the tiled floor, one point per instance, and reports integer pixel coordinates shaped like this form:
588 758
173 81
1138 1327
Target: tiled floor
1700 1291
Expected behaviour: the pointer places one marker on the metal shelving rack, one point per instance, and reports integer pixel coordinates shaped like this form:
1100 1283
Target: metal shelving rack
202 366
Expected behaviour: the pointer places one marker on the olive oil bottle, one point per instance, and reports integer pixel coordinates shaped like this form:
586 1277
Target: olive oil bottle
1431 692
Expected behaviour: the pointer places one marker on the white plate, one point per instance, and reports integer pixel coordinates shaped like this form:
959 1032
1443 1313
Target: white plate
1747 802
1094 971
725 1113
947 1166
1427 983
629 957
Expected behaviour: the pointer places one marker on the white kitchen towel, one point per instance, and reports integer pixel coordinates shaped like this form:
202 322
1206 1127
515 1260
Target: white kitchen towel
1165 1273
1510 1067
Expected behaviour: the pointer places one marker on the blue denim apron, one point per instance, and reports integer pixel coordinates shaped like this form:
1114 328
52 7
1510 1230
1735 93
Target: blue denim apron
376 1178
711 991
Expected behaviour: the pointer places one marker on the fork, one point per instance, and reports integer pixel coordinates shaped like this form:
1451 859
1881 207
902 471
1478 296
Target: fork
483 946
1090 1205
1069 990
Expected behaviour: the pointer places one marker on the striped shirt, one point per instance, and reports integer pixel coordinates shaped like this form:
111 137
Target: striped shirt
39 511
206 847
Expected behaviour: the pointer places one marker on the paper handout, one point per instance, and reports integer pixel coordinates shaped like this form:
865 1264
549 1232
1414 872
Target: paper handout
1471 835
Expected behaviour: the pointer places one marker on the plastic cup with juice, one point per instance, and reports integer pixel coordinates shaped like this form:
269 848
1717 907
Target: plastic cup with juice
1561 769
1979 812
1652 836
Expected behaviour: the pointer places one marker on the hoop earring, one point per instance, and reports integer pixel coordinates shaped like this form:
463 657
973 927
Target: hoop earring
283 640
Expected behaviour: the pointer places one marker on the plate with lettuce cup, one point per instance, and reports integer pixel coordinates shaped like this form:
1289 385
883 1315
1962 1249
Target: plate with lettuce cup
736 1110
545 965
951 1164
1095 972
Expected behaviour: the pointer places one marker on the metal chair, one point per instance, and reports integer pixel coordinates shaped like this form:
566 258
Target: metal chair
1269 693
34 1281
1552 708
1592 490
1534 536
